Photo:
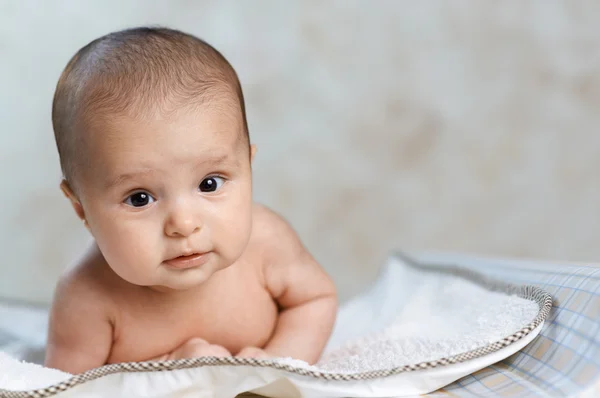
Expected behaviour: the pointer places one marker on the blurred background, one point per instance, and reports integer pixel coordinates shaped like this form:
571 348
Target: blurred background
460 126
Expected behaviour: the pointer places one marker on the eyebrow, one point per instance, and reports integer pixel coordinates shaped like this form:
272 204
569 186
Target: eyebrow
214 160
121 178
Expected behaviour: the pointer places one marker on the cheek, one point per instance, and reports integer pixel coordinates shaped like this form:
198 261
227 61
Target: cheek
232 225
130 247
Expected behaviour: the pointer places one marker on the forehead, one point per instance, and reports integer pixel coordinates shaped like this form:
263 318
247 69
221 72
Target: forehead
160 140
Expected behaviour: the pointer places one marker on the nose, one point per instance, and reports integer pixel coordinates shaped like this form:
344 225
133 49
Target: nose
182 221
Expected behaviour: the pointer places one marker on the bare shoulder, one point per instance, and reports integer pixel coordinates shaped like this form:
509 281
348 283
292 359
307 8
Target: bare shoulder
274 235
80 328
287 265
266 222
86 281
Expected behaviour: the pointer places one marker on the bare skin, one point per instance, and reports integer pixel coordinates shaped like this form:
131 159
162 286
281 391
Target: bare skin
257 293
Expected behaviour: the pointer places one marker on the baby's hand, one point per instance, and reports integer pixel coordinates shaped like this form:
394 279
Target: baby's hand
253 352
196 348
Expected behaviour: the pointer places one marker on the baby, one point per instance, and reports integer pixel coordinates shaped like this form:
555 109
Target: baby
153 141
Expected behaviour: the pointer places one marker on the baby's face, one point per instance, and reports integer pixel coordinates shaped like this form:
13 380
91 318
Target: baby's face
168 201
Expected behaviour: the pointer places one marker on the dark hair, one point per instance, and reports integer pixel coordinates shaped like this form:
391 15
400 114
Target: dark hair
143 69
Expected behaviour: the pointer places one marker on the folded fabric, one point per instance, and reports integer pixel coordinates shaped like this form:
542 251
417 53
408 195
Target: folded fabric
418 328
563 361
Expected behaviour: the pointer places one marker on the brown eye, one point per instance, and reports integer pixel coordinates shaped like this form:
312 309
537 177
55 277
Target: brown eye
139 199
211 184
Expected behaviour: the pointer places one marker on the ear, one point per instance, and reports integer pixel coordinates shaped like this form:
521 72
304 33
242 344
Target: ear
68 192
252 152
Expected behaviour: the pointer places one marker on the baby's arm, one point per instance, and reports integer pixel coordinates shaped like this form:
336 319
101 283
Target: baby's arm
80 329
194 348
304 292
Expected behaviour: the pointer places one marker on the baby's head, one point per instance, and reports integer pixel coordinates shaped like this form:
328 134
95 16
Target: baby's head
153 142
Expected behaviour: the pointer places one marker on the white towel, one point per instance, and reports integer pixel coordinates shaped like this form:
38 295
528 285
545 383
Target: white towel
408 316
19 375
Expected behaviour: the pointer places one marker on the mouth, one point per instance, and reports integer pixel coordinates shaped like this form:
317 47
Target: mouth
188 261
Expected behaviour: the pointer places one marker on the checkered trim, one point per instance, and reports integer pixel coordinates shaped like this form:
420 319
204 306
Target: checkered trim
543 299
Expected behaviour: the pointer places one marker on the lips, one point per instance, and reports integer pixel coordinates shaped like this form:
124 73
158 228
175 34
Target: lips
188 261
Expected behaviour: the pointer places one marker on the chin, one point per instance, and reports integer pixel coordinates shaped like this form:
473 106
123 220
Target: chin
187 282
173 287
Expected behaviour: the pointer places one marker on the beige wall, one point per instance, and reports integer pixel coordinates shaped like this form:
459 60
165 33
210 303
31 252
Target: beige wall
463 126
